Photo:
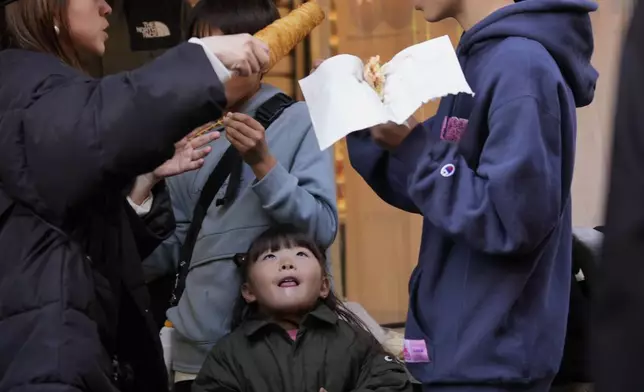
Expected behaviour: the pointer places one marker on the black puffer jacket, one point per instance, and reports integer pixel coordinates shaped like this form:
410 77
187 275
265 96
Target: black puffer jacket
73 304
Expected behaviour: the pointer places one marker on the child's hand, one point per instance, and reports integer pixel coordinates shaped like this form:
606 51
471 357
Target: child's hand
322 390
189 154
248 137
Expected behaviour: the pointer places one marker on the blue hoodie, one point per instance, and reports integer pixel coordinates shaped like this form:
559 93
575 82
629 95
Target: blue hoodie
491 175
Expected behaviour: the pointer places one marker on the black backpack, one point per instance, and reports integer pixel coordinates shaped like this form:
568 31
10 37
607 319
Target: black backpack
171 287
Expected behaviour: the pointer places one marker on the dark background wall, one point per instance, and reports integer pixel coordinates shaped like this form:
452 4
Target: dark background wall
118 56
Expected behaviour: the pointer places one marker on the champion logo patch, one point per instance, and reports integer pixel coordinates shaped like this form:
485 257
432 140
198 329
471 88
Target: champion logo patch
448 170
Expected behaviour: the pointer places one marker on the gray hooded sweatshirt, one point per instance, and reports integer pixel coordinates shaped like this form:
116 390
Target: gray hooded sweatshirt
300 190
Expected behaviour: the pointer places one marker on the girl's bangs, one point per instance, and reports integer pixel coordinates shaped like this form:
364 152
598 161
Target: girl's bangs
280 238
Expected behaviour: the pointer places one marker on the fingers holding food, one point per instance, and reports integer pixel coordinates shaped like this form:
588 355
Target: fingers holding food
374 75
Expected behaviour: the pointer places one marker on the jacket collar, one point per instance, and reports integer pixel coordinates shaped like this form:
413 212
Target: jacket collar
321 313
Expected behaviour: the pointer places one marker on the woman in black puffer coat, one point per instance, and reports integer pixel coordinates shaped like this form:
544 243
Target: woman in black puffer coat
73 303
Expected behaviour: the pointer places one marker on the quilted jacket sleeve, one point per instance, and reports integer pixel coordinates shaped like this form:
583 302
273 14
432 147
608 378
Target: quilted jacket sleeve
99 134
151 229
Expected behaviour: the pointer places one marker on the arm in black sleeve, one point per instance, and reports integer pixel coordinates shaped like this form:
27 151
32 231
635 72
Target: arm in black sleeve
618 315
87 136
151 229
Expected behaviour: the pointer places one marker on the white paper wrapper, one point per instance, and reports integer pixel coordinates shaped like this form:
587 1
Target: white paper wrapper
341 102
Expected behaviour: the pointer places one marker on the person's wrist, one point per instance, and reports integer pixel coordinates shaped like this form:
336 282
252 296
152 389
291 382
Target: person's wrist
152 178
411 147
143 187
405 131
213 57
390 136
263 166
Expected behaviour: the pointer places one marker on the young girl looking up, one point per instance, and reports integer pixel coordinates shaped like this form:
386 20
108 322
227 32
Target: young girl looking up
284 179
290 331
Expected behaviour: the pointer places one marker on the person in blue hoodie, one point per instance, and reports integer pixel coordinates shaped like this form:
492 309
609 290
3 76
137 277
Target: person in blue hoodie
491 175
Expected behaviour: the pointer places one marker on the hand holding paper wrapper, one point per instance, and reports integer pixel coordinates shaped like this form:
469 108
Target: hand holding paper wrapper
341 102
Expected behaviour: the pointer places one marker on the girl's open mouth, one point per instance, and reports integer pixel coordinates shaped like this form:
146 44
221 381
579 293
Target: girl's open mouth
289 282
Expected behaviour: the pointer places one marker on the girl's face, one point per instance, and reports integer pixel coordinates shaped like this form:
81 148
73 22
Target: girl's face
437 10
87 23
285 282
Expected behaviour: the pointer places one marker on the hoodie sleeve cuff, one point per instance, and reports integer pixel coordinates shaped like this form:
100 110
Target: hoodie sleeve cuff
275 185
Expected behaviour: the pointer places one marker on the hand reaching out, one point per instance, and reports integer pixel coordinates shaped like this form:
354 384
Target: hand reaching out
240 53
188 155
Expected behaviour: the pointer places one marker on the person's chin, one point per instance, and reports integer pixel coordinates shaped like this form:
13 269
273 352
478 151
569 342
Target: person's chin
100 49
102 41
292 304
433 18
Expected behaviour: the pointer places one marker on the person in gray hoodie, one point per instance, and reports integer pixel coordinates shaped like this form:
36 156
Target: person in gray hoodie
286 179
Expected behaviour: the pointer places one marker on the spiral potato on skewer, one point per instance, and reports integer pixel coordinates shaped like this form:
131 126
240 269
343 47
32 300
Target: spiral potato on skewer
282 36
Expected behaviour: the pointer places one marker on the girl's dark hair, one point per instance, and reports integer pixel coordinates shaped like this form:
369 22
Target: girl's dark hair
230 16
282 237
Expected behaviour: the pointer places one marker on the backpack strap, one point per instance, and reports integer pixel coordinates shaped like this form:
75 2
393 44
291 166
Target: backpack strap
230 164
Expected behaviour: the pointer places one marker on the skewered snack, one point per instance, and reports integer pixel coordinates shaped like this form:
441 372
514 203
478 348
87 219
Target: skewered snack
207 127
282 36
374 76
